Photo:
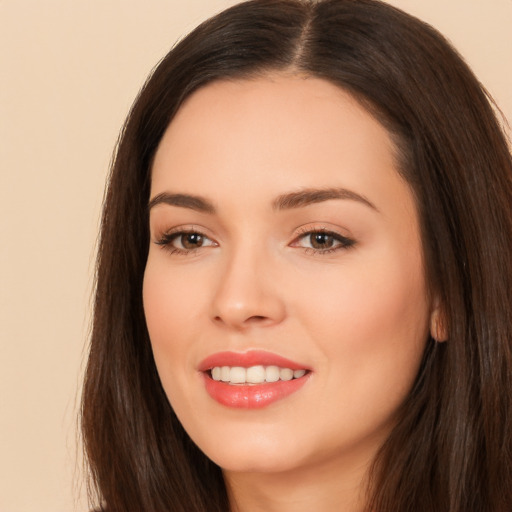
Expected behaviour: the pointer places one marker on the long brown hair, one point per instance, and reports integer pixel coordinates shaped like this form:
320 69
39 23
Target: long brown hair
451 449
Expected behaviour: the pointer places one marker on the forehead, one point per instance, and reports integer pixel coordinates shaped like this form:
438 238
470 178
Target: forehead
281 131
279 104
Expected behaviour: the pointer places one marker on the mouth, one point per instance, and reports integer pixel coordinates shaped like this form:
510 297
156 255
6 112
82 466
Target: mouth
253 379
238 375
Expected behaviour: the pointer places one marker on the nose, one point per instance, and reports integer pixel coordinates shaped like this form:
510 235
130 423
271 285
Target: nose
248 293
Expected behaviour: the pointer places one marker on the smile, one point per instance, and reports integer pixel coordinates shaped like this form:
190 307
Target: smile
254 375
251 380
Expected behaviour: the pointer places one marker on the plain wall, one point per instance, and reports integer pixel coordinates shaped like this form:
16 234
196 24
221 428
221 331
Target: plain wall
69 70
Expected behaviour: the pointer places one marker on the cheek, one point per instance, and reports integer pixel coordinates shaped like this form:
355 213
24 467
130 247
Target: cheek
371 324
390 308
371 329
171 307
363 298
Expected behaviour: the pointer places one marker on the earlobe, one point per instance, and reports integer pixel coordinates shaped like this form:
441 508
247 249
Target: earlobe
438 328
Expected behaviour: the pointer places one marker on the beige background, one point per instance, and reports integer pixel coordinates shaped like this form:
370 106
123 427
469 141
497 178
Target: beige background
69 70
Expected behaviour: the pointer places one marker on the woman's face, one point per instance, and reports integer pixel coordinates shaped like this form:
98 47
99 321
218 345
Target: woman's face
284 245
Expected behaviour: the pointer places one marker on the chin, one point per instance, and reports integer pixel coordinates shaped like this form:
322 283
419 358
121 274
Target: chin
255 462
252 453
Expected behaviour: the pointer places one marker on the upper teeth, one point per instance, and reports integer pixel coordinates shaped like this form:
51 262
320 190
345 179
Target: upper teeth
254 374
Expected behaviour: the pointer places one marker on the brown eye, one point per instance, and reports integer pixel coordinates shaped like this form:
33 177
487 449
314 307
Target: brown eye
183 242
321 240
191 240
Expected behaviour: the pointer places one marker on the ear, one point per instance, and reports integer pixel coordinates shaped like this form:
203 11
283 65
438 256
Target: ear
438 327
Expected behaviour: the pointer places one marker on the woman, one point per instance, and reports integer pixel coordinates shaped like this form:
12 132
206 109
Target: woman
304 278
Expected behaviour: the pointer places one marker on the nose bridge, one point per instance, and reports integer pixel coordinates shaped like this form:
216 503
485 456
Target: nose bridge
245 294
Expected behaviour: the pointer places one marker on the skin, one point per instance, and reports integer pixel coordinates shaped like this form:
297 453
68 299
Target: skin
357 316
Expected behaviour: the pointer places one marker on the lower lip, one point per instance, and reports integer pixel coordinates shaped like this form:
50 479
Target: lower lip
253 396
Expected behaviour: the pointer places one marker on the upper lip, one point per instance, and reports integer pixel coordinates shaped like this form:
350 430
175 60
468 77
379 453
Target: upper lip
248 359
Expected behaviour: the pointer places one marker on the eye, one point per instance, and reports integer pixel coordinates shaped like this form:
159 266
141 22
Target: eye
184 242
322 241
189 241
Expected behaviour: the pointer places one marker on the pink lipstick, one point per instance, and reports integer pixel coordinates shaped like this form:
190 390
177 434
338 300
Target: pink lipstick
252 379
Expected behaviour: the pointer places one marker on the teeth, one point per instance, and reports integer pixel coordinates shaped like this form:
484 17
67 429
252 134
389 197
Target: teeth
237 375
254 374
224 374
286 374
217 373
272 374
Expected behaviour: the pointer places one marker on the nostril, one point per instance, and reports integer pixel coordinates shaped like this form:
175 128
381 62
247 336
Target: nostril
242 312
241 323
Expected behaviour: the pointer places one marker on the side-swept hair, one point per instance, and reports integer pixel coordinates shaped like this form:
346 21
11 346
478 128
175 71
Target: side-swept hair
451 448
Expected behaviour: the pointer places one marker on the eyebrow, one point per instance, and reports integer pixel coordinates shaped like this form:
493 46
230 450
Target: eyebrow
309 196
192 202
288 201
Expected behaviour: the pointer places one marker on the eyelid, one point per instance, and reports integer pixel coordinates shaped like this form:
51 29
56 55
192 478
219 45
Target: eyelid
307 229
167 237
177 230
344 242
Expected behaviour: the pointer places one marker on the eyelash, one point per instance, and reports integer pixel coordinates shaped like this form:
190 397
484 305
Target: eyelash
166 240
344 242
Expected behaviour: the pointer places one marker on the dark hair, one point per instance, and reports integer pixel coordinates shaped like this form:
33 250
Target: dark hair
451 448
